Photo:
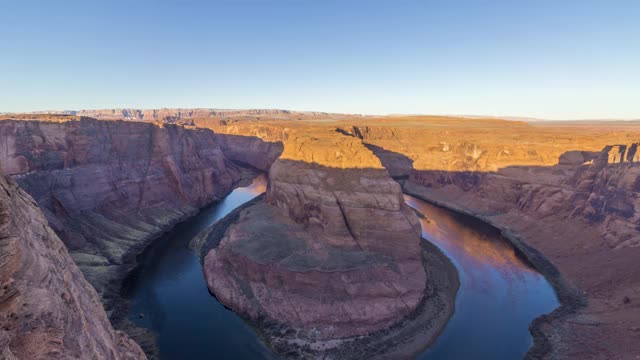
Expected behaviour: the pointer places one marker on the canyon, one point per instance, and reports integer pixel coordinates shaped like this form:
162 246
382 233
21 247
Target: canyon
109 188
331 257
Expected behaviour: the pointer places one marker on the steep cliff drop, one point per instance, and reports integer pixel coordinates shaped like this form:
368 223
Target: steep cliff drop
108 188
47 308
331 264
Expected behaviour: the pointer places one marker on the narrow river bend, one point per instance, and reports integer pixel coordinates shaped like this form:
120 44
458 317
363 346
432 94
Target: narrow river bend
499 293
170 292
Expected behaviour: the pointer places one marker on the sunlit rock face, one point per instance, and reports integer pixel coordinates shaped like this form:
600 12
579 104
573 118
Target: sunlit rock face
109 187
47 308
335 186
610 187
333 249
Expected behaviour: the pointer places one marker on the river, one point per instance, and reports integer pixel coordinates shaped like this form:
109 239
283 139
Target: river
170 292
499 295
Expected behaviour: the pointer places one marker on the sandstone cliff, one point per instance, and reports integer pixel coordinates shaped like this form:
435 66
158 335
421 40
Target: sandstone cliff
598 188
47 308
109 187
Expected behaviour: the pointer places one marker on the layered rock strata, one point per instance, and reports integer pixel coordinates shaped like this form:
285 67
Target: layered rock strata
109 187
47 308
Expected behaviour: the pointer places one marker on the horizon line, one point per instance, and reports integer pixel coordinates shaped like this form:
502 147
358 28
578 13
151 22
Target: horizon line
470 116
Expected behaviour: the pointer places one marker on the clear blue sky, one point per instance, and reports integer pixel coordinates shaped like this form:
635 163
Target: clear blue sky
551 59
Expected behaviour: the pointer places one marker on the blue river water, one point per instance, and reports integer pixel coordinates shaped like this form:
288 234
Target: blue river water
499 293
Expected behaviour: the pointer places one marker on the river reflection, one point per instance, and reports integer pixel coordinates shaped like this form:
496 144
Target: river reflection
499 293
170 292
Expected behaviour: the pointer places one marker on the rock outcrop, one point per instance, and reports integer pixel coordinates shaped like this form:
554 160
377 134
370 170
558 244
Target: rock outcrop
109 187
47 308
332 254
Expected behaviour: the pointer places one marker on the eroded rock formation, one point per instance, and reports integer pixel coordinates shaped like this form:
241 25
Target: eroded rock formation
47 309
333 252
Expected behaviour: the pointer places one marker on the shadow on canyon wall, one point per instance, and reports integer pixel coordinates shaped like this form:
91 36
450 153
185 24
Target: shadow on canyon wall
109 188
250 150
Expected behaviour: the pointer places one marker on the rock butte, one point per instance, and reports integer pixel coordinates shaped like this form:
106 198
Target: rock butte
333 251
108 188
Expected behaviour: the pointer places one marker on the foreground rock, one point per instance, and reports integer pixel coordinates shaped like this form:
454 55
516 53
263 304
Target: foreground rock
47 308
332 255
109 187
